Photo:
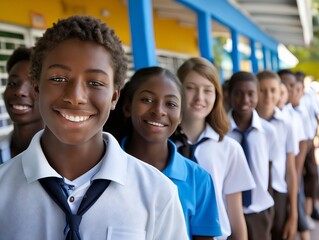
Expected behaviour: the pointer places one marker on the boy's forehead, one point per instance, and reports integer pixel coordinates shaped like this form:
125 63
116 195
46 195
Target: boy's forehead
245 84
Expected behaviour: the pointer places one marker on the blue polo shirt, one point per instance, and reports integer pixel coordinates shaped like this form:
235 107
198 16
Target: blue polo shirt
196 193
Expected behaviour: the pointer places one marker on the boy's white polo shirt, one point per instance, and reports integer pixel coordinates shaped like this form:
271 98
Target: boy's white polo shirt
140 202
262 150
226 162
285 141
296 122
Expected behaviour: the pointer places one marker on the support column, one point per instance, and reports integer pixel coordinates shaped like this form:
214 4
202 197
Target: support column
142 33
235 52
204 26
253 58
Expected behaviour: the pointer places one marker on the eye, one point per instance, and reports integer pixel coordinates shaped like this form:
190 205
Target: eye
146 100
172 104
189 87
58 79
96 83
11 84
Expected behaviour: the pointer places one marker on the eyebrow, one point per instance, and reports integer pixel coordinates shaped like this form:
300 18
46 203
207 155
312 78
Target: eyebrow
150 92
93 70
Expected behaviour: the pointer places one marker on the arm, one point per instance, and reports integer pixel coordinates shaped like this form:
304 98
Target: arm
291 179
236 217
300 159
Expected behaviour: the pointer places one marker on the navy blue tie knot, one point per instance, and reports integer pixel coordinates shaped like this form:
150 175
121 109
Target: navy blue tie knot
52 186
74 221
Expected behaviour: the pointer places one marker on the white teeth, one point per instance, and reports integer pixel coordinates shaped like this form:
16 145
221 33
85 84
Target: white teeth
156 124
75 118
20 107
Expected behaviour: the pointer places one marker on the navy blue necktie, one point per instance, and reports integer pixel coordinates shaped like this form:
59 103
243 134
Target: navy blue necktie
52 186
245 145
192 148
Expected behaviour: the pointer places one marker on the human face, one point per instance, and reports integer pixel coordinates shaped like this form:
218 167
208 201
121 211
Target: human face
269 93
243 97
19 95
200 96
283 96
76 91
155 110
298 93
289 80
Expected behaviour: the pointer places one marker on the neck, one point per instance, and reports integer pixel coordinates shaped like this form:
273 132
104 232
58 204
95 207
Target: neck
243 121
22 136
193 128
155 154
72 161
265 113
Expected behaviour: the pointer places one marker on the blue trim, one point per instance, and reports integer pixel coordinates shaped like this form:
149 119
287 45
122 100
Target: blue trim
265 58
204 26
142 34
253 58
223 12
235 55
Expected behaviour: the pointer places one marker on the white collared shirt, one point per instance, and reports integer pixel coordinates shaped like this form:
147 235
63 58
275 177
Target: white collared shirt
286 142
262 149
226 162
296 122
140 202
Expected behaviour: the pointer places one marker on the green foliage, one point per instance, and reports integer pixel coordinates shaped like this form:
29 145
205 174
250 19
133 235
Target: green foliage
218 50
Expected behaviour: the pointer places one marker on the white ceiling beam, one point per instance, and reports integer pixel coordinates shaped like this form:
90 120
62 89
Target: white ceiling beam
282 9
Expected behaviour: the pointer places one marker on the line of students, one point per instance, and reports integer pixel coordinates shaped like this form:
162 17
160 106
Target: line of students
242 164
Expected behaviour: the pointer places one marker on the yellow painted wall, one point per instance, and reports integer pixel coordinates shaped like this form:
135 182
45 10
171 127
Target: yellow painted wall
169 35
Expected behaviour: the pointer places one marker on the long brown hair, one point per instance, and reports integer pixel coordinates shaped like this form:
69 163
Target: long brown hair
217 118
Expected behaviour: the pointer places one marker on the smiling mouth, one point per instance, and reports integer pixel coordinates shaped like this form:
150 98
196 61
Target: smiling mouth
20 107
72 118
155 124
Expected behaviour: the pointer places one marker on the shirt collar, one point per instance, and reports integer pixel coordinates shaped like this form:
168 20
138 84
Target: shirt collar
113 166
278 115
255 123
176 168
209 132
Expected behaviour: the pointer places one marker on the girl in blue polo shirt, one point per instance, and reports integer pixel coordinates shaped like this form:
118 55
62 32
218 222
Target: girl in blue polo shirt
152 102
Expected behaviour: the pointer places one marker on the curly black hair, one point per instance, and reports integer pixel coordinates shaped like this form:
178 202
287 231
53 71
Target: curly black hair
18 55
85 28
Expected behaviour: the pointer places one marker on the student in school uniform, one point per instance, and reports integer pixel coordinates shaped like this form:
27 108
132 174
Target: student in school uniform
74 181
283 172
257 138
152 104
308 106
205 124
21 105
289 79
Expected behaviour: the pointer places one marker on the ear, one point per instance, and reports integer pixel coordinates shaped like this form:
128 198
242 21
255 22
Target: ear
35 85
127 109
115 98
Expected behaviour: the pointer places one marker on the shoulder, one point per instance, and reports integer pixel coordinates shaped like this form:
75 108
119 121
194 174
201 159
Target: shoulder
267 126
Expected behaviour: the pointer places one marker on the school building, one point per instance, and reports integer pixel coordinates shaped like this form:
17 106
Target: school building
234 34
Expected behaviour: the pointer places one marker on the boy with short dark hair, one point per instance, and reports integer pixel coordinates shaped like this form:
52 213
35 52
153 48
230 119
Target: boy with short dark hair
74 181
257 139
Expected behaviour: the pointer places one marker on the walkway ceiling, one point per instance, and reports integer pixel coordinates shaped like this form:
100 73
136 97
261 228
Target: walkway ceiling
287 21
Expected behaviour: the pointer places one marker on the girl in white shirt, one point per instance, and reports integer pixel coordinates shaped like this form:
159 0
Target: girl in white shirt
205 117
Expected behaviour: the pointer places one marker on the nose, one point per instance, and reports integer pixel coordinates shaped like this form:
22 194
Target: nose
199 94
158 109
75 92
24 89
